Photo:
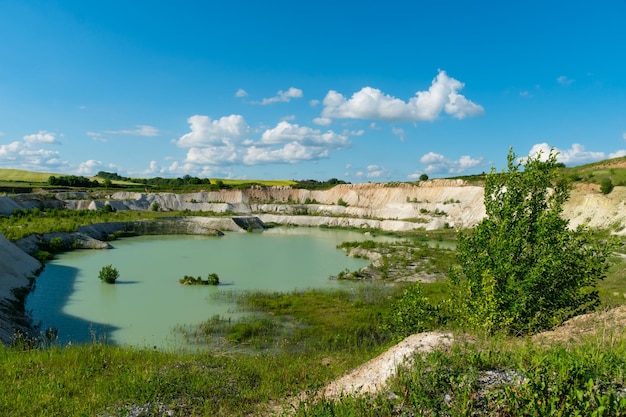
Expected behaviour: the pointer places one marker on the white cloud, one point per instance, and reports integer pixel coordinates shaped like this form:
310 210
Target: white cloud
314 103
438 163
322 121
371 103
287 132
23 155
140 130
291 153
8 151
40 137
618 154
207 132
374 171
214 155
525 93
624 136
283 96
576 155
241 93
89 166
563 80
288 118
223 142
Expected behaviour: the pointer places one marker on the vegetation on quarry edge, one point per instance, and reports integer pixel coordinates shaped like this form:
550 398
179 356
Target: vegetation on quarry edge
505 280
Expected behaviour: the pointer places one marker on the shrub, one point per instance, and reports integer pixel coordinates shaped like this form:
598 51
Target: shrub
213 279
412 313
606 186
108 274
522 269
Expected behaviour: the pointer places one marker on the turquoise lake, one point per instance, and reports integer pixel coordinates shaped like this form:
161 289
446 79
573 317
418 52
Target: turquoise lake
147 302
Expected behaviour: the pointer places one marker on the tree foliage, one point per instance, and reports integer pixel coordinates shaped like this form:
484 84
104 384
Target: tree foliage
109 274
606 186
522 269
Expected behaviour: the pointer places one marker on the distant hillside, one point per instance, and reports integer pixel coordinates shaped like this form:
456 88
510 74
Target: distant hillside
23 176
15 180
613 169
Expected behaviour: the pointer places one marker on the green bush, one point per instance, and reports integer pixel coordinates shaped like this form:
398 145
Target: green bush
108 274
412 313
606 186
522 269
213 279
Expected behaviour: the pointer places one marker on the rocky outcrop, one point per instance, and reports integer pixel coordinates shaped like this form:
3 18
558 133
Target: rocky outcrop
426 205
17 269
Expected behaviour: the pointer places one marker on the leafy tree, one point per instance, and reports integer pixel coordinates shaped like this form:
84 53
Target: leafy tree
606 186
423 177
109 274
213 279
522 269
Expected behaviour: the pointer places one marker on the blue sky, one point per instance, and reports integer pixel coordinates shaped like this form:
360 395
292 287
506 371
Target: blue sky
361 91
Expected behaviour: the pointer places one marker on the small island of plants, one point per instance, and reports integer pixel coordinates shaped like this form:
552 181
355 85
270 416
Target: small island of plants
109 274
212 279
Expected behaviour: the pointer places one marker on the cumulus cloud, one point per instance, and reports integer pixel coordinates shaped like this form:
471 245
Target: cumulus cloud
290 153
40 137
227 141
207 132
23 155
375 171
214 155
437 163
372 104
241 93
283 96
618 154
287 132
563 80
576 155
322 121
140 130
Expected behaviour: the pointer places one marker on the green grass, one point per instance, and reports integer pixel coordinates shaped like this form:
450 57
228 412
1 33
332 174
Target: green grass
91 379
23 176
594 173
587 379
269 183
15 178
298 342
39 222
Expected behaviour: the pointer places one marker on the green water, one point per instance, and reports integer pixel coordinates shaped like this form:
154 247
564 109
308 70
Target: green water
147 302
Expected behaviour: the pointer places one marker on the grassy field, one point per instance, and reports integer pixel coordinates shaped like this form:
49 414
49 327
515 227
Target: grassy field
16 175
15 178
